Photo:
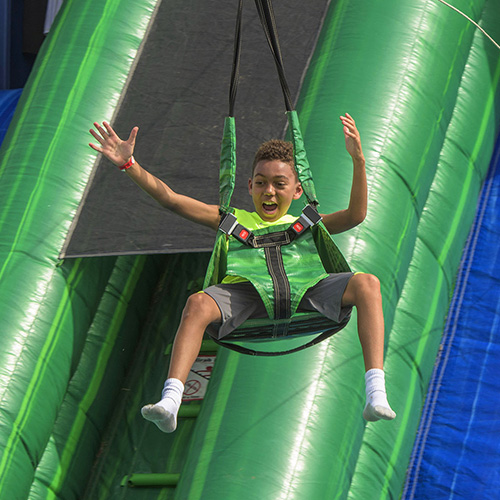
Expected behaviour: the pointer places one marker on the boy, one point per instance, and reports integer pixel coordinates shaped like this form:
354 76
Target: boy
221 308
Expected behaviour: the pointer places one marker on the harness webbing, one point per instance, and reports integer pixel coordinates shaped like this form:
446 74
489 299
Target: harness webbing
229 225
281 285
267 19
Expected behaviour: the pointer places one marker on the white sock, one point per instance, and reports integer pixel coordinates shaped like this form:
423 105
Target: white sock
377 406
164 413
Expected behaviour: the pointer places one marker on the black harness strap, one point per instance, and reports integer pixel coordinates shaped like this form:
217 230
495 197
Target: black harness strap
267 19
229 225
235 73
266 14
281 285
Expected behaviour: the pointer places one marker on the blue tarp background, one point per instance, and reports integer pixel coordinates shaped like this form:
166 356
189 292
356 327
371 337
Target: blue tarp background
457 453
8 103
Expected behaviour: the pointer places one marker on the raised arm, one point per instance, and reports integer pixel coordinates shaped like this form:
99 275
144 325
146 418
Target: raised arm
355 213
119 152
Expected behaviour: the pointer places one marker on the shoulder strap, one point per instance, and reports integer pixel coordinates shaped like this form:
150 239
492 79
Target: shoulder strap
227 170
301 162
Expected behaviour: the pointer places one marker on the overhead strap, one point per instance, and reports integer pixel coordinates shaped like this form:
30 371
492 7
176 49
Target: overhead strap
235 73
266 14
227 169
267 19
227 172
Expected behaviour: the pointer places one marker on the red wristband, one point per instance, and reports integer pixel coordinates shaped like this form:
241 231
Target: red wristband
128 164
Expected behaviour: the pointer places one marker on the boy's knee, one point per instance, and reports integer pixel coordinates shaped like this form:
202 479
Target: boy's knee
370 281
200 304
366 284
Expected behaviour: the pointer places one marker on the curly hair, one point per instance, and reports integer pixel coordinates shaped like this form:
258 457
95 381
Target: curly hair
275 149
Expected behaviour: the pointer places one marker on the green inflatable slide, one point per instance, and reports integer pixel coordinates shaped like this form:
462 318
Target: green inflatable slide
85 340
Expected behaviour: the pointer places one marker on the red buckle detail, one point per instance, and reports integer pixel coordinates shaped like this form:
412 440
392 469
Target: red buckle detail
298 227
243 234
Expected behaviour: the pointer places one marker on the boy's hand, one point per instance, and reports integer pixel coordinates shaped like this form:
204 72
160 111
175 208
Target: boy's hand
355 213
111 146
352 138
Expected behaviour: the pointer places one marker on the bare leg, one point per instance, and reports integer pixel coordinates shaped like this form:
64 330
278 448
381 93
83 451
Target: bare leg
363 291
200 311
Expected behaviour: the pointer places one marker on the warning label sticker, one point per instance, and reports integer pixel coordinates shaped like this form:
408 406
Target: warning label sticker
197 382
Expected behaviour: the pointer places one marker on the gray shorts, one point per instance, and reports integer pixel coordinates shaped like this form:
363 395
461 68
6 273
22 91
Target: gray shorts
240 301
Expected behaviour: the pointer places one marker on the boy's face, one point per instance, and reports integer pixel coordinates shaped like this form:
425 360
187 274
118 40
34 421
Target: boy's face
273 187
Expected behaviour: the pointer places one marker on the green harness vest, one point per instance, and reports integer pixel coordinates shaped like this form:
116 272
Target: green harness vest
281 273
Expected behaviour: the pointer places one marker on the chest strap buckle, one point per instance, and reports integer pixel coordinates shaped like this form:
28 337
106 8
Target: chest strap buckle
309 217
230 226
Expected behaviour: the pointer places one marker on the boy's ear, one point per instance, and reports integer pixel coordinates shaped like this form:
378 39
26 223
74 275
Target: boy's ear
298 191
250 185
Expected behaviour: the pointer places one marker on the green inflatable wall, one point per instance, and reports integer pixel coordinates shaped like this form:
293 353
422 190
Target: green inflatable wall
68 329
422 83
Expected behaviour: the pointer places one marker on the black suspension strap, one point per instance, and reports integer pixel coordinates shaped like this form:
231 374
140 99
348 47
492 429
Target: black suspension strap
266 14
267 19
235 73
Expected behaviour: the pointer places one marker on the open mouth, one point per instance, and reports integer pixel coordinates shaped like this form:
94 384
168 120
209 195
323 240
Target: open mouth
269 207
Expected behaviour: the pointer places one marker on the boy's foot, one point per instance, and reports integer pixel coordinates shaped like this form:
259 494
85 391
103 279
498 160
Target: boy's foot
377 407
374 413
165 420
164 413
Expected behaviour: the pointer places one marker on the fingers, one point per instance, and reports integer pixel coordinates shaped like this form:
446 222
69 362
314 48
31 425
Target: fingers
97 148
349 125
103 132
348 120
96 136
109 129
132 136
108 133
